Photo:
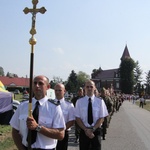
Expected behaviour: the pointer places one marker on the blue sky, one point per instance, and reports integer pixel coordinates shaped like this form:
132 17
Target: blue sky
79 35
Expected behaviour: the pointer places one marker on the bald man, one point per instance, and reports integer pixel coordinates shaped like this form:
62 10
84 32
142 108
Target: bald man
49 126
68 112
90 120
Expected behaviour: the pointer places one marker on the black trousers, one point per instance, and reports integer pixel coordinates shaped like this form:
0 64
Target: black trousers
85 143
141 104
77 130
63 144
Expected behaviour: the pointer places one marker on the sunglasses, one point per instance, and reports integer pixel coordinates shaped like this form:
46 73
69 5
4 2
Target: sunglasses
89 87
39 83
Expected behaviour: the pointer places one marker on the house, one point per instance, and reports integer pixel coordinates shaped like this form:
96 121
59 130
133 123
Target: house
12 83
21 84
109 78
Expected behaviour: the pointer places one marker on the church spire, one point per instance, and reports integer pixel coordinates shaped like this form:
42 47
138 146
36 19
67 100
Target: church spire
125 53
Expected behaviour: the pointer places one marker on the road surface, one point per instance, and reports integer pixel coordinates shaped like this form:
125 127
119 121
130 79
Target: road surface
129 130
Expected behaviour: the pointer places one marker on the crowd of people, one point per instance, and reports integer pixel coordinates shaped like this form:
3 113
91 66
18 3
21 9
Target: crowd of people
47 128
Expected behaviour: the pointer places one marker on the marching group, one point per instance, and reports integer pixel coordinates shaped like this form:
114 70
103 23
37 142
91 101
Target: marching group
48 126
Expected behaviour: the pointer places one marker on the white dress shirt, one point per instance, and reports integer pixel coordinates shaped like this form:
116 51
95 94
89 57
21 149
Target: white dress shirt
98 106
67 109
50 116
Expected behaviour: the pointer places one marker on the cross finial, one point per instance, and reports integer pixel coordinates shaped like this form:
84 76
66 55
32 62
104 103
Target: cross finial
32 42
34 11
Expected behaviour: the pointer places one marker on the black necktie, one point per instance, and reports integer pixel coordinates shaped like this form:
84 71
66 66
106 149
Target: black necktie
35 115
90 114
58 102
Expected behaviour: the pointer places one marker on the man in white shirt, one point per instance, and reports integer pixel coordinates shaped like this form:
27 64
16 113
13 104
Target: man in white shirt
90 120
68 112
49 126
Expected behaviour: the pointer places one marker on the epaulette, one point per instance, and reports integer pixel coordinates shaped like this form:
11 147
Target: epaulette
53 102
100 98
69 101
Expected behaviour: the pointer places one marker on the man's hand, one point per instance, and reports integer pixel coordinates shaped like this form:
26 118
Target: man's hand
31 123
89 133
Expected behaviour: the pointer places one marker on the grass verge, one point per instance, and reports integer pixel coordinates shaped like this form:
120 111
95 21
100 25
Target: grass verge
6 140
7 143
18 97
147 106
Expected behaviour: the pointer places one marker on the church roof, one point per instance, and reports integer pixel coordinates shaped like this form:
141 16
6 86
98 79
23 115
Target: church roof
106 74
125 53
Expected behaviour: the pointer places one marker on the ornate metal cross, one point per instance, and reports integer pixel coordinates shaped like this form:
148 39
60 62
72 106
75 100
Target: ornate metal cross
34 11
32 42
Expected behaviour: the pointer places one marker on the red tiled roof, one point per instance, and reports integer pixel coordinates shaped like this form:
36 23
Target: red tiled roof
14 81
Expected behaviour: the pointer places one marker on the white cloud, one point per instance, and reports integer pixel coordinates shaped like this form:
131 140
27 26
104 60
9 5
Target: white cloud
58 50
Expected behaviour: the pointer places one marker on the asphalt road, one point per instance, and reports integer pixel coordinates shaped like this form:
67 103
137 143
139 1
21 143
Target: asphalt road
129 130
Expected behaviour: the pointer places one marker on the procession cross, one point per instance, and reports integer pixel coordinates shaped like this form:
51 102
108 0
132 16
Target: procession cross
32 42
34 11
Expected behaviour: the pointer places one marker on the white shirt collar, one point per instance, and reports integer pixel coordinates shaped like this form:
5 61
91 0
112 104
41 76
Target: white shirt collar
61 100
92 97
41 101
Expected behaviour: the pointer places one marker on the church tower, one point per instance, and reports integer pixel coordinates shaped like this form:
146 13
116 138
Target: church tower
125 54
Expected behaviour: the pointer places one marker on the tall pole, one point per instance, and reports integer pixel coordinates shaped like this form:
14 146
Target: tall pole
32 42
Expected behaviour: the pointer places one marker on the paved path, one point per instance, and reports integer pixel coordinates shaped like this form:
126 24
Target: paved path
129 130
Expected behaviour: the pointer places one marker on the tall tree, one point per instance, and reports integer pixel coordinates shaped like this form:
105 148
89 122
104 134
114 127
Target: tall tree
71 85
148 82
127 75
137 76
2 72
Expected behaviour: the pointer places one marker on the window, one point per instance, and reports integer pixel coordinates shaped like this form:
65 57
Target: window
117 85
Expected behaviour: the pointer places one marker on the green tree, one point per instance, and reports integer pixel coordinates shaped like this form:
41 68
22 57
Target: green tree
12 75
2 72
137 77
95 72
148 82
55 81
76 80
127 75
81 78
71 85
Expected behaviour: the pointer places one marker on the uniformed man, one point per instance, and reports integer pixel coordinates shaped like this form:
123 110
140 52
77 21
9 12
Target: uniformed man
105 96
68 112
90 112
50 123
80 94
